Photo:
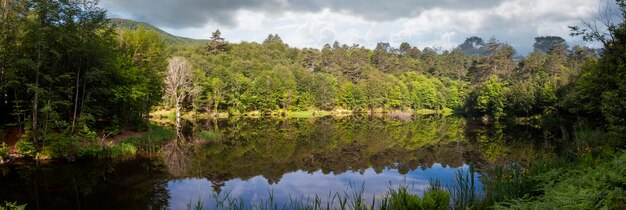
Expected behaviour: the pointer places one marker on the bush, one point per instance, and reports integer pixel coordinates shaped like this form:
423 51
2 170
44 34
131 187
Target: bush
92 150
62 146
438 199
402 199
26 147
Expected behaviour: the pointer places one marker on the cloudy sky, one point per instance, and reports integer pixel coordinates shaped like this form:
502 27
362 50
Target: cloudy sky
308 23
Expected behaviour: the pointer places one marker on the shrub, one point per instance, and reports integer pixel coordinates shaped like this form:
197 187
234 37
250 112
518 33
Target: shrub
26 147
92 150
438 199
62 146
402 199
4 151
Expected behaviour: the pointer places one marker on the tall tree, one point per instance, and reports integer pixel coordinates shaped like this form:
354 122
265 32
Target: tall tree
217 44
178 84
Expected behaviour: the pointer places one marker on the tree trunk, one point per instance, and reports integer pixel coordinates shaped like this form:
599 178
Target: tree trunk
178 115
36 99
76 98
82 98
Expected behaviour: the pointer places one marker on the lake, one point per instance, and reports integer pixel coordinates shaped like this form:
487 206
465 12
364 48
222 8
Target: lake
256 160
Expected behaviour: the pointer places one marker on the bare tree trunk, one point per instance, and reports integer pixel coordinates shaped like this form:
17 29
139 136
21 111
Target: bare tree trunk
82 98
76 97
178 116
36 99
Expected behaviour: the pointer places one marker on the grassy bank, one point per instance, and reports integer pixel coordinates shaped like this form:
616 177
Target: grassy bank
165 116
89 145
591 176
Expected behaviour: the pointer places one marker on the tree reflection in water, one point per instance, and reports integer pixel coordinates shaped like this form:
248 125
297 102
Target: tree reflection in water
248 151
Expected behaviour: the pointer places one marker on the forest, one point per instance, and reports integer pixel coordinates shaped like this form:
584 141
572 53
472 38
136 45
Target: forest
70 77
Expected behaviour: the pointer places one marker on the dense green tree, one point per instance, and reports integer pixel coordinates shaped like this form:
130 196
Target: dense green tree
65 71
141 64
490 98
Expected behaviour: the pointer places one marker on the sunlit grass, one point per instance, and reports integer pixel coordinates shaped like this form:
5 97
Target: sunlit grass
152 139
307 114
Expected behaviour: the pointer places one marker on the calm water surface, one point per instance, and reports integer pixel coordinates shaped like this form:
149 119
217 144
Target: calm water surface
258 158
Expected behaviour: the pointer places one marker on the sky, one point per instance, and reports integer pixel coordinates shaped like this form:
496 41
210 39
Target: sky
307 23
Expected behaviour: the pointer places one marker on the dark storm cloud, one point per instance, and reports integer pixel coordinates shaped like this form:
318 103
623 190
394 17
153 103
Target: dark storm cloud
385 10
196 13
183 13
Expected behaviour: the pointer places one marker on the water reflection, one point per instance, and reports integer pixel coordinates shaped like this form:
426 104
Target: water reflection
305 185
300 157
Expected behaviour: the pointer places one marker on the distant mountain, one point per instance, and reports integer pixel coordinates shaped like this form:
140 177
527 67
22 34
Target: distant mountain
167 37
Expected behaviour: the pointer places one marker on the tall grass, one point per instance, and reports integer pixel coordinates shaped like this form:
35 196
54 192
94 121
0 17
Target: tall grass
401 197
463 189
123 151
152 140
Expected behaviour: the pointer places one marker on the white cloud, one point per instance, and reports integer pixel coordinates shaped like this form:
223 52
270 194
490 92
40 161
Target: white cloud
515 21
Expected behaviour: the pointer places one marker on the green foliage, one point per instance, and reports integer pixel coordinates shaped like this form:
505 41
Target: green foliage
4 151
600 91
151 140
401 198
12 206
167 38
25 147
578 187
463 190
208 135
438 199
62 146
91 151
490 99
68 72
123 150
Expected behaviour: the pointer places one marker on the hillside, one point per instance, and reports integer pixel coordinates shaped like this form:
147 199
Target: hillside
167 37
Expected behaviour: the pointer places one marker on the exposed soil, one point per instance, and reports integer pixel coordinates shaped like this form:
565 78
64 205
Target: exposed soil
10 136
123 135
